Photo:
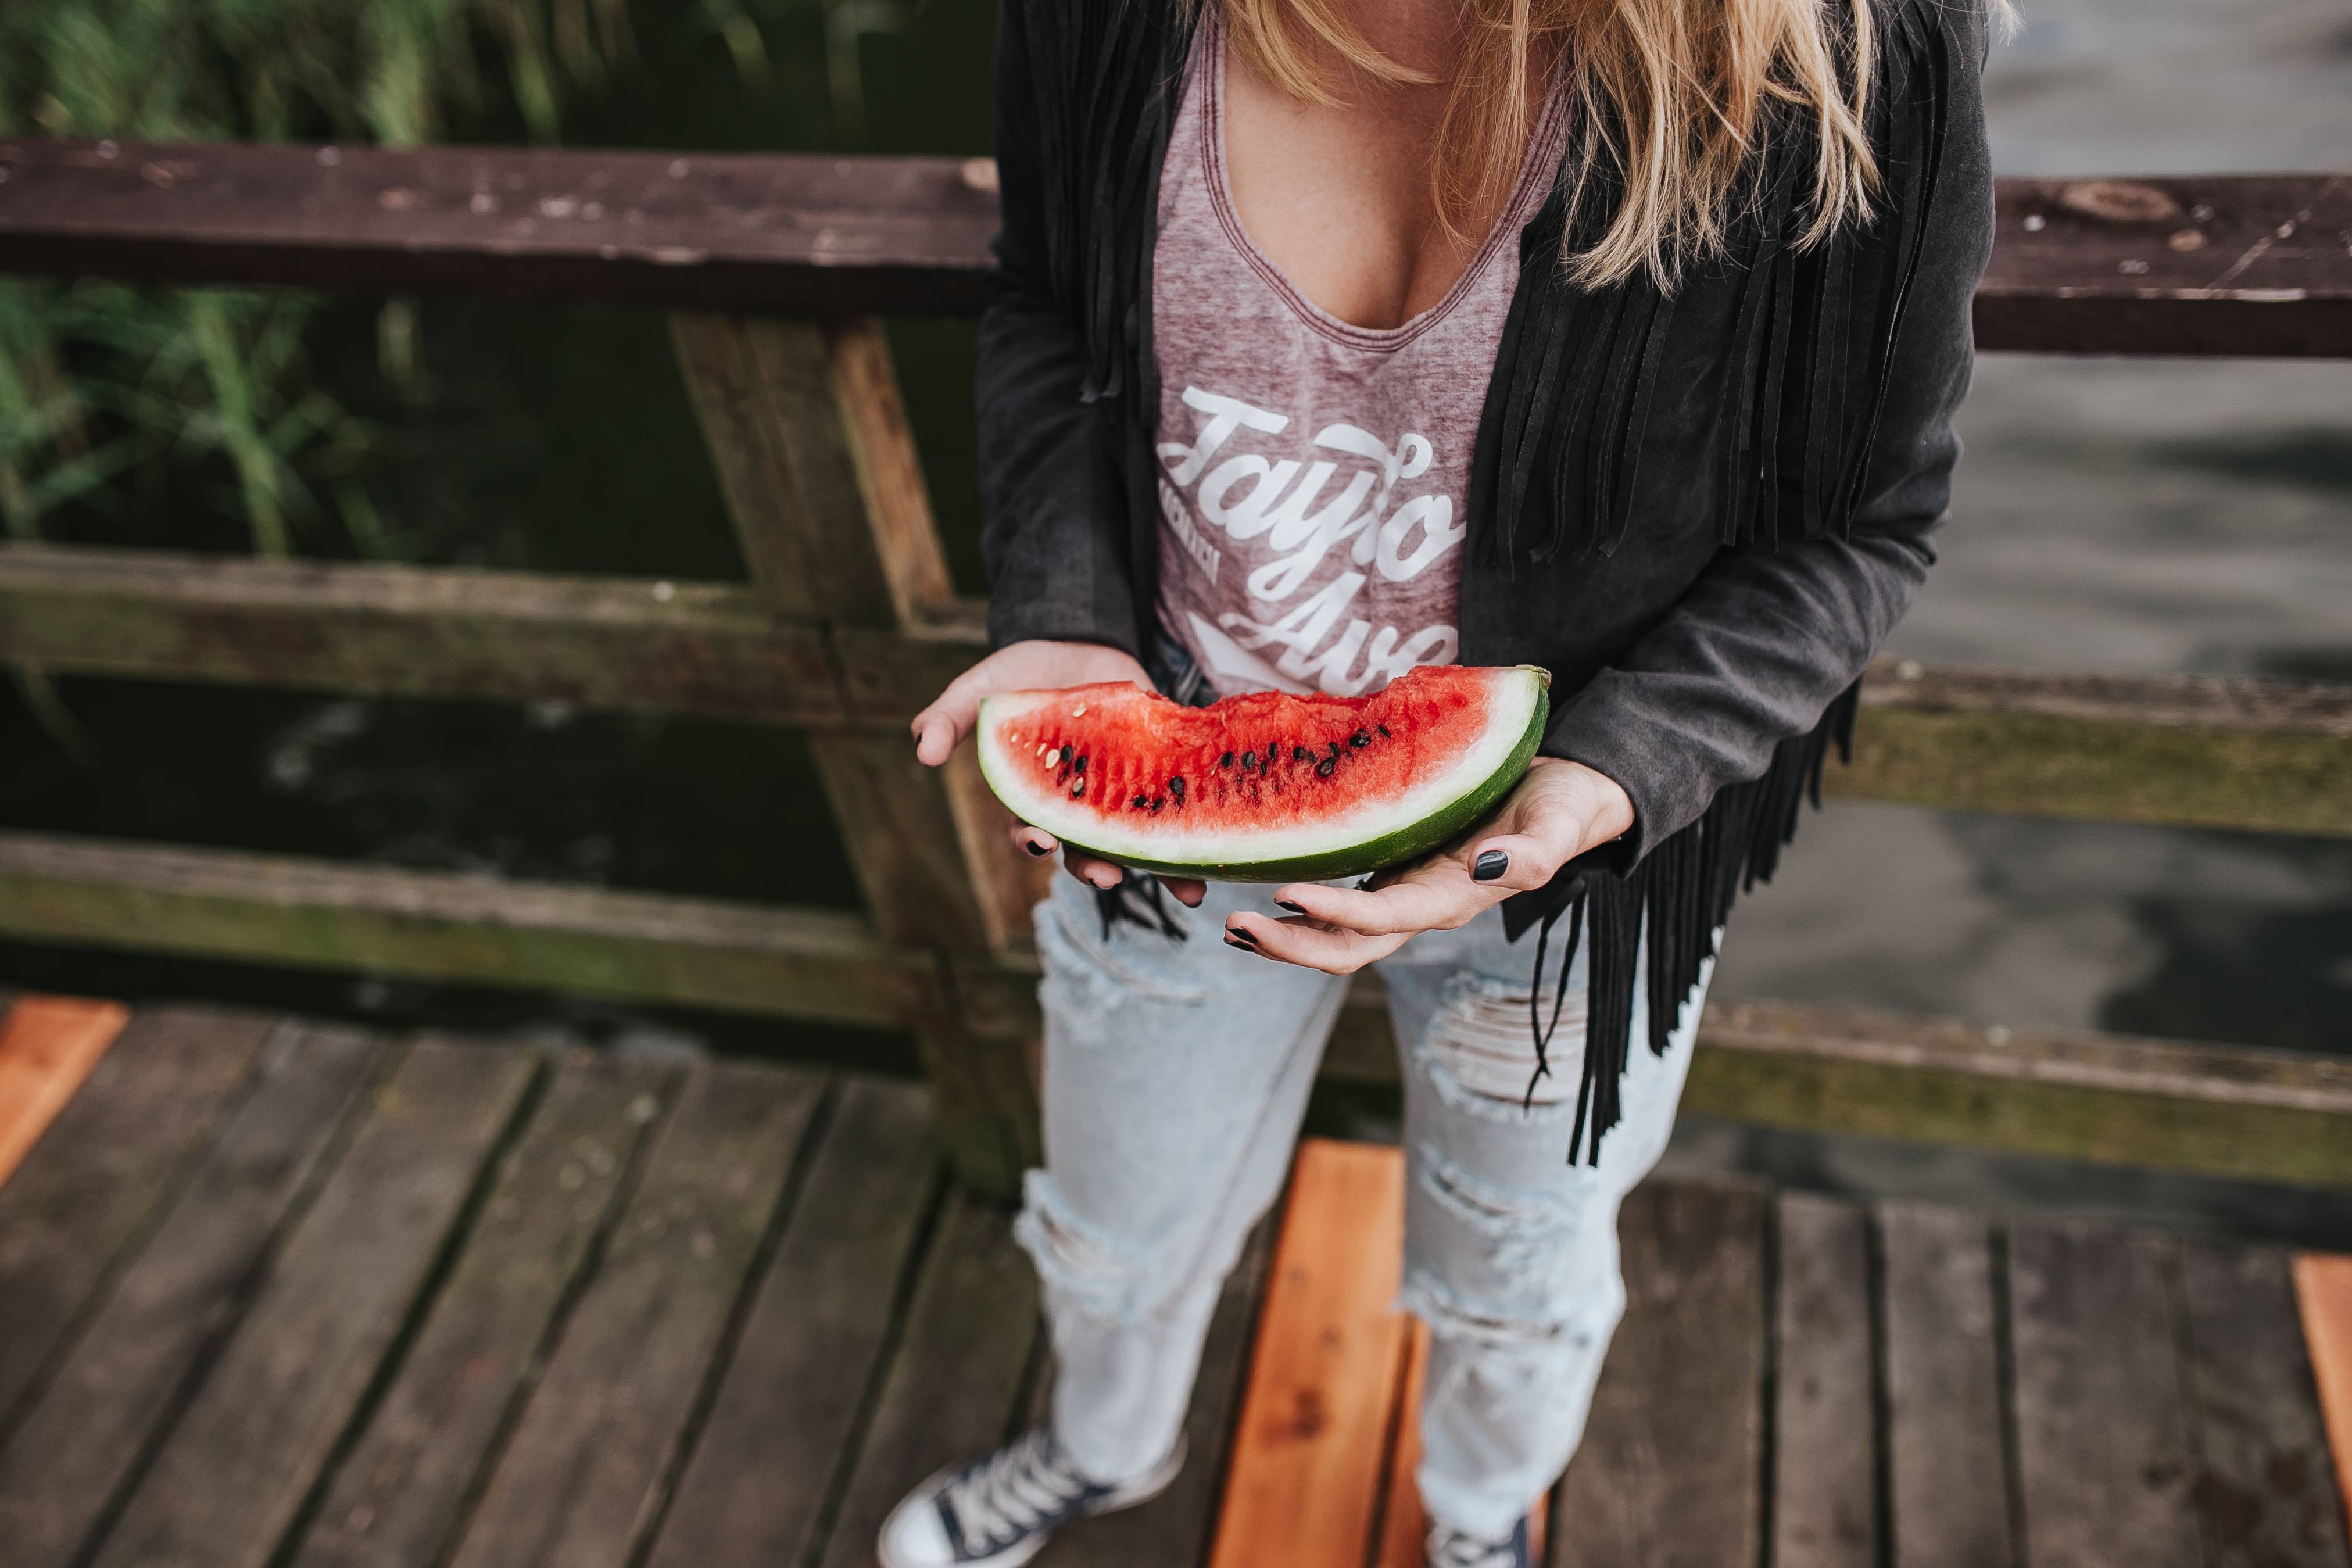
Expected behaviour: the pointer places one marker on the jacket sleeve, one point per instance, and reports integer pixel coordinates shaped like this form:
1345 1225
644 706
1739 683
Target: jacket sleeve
1770 635
1054 506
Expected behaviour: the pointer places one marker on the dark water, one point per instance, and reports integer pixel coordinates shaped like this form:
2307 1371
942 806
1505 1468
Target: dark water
2111 515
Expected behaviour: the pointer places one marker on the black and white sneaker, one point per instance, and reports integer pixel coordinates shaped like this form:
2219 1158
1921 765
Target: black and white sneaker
1450 1548
1000 1509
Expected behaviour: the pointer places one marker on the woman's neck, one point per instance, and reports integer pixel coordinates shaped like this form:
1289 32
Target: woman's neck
1341 197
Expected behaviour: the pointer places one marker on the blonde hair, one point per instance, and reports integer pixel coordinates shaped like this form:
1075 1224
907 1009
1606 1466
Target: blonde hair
1675 98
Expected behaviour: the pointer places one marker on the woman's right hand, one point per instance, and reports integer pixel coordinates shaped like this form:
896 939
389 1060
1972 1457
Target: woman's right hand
1035 666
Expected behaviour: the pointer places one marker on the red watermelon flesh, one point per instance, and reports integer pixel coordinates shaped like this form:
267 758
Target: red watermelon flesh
1266 787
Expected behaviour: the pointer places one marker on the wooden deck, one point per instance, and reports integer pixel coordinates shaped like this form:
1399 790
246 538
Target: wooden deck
283 1295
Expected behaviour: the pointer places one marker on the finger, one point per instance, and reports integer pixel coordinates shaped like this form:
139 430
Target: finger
1513 862
1093 870
1309 944
1189 891
940 728
1035 840
1432 896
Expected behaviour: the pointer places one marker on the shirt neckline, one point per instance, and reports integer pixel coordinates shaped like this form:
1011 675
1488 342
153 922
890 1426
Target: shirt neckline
1525 195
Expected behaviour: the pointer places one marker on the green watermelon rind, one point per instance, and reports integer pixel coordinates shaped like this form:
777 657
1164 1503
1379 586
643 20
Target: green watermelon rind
1409 842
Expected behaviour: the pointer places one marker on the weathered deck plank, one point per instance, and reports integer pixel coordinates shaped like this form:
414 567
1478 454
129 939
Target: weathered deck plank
956 1385
173 1303
2105 1447
1825 1463
199 1391
783 1429
230 1481
398 1494
594 1451
1946 1451
1670 1473
2264 1488
93 1186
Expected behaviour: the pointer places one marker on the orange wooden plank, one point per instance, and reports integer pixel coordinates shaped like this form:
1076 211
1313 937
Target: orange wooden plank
1303 1485
2322 1289
47 1046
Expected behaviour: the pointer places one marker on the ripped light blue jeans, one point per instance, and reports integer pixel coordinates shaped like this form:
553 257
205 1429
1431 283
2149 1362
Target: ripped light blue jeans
1176 1075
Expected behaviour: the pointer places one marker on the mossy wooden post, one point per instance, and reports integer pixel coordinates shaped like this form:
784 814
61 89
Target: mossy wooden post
813 451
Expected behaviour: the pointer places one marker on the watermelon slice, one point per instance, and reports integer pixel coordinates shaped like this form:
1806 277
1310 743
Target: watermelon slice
1266 787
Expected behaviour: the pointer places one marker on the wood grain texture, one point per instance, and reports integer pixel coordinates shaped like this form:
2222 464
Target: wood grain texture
49 1045
2251 264
2323 1291
2264 1488
2195 264
1312 1447
2103 1442
1174 1529
955 1387
901 834
810 445
1670 1475
91 1189
1826 1423
809 234
818 964
399 1491
1947 1444
227 1485
630 646
182 1296
2170 1104
592 1456
782 1432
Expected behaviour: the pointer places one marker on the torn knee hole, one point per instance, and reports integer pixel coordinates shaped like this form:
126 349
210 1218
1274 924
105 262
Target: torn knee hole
1075 1259
1450 1316
1481 1046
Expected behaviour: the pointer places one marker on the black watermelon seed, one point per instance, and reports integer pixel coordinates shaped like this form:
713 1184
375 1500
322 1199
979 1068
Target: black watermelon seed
1300 754
1158 804
1080 764
1359 738
1176 788
1323 769
1226 760
1249 760
1139 803
1335 748
1384 728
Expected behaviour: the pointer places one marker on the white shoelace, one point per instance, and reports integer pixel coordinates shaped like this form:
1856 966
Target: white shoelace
1452 1549
1011 1492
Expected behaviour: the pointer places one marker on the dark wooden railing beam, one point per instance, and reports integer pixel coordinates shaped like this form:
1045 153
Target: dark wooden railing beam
2252 265
797 234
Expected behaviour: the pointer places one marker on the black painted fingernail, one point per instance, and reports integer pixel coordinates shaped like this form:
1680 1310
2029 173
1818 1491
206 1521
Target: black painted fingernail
1491 865
1241 938
1285 903
1034 848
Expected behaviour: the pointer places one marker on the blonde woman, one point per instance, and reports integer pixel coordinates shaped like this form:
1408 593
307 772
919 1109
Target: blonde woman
1335 337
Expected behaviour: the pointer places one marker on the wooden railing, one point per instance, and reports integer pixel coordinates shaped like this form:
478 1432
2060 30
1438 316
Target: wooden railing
775 269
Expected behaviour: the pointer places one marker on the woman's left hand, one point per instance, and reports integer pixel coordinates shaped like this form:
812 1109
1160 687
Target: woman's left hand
1557 812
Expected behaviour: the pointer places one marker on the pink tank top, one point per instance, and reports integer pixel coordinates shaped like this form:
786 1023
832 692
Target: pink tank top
1312 472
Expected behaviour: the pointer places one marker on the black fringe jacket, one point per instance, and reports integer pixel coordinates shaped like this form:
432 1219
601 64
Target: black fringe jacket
1702 509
